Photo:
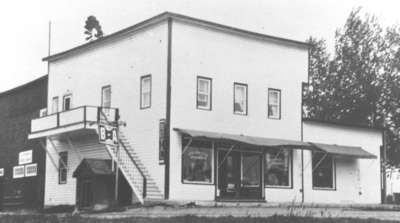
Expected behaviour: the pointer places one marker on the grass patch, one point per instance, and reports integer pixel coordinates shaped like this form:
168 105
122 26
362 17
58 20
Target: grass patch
182 219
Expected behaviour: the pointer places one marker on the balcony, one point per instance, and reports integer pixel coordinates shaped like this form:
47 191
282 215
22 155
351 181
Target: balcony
76 119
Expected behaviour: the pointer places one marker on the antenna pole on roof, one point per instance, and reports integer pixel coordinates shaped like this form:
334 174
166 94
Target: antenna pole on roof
49 47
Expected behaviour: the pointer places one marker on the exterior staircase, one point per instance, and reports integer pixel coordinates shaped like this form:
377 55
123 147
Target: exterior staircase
143 185
152 190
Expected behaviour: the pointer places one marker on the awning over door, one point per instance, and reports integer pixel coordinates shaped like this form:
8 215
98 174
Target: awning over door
250 140
344 151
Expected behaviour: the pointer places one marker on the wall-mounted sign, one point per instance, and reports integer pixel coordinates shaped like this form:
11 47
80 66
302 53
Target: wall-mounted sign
31 170
161 141
1 172
25 157
108 135
18 171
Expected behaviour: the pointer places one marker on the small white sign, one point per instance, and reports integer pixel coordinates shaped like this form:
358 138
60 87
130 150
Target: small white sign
18 171
31 170
1 172
25 157
108 135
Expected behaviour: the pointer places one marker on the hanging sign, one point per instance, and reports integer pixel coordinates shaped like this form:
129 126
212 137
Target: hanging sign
18 171
1 172
108 135
31 170
25 157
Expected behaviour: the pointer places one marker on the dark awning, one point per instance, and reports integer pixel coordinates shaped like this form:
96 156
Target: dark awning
93 167
250 140
345 151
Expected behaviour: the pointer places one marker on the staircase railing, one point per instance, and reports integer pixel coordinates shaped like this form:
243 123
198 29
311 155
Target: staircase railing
126 162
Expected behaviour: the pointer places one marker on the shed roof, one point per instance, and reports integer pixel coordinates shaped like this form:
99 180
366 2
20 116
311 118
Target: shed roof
94 167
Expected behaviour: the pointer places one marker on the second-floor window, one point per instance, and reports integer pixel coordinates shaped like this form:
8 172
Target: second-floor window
274 103
106 96
145 91
204 93
67 102
240 99
54 105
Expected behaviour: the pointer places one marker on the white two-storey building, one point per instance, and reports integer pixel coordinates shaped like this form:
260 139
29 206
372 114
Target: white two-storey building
212 112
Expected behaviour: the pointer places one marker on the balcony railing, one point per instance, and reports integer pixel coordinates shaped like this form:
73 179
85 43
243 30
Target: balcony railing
79 115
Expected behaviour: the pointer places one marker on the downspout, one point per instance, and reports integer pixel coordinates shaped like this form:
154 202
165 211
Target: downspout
302 150
168 112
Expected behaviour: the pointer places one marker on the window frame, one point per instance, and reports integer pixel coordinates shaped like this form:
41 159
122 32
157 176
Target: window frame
209 80
57 104
245 113
102 95
290 186
62 167
183 181
333 188
142 78
279 103
70 101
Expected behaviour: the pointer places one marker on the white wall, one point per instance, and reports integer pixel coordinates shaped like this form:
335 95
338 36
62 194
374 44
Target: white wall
120 63
228 58
60 194
357 180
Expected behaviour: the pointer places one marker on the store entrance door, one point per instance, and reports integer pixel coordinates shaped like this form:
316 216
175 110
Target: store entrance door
239 175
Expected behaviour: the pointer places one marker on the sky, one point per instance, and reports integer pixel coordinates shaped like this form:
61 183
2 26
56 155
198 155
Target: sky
25 24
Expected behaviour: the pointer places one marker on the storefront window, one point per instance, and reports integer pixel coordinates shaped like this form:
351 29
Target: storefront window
323 171
197 165
278 168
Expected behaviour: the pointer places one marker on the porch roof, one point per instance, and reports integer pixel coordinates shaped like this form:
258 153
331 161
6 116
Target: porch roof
93 167
250 140
345 151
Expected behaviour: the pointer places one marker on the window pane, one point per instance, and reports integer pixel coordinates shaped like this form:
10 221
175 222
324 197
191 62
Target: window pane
277 167
203 86
54 106
274 103
146 99
67 103
203 93
251 169
273 97
197 162
322 170
106 97
273 111
240 102
145 92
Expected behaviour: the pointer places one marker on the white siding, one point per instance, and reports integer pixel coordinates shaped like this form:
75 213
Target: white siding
87 147
120 63
228 58
357 180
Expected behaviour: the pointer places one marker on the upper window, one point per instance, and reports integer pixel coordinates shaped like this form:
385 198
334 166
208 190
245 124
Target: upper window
204 93
67 102
278 168
240 99
106 96
62 167
323 171
197 161
274 103
145 91
54 105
